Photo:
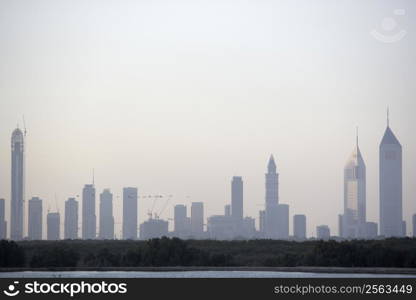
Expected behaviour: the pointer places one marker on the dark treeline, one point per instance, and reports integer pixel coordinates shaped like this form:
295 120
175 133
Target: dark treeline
176 252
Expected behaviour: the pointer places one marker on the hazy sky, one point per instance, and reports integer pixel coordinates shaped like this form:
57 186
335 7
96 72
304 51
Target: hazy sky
176 97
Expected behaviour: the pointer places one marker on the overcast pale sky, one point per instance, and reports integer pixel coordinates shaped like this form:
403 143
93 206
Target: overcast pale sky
176 97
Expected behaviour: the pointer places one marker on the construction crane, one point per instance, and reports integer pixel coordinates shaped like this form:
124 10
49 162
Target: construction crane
163 207
151 213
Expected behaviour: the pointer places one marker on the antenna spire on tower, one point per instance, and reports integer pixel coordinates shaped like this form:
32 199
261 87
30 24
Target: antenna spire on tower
24 125
93 176
356 135
388 116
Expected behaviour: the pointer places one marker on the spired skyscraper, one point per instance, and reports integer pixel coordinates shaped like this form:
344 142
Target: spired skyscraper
353 221
391 211
272 200
17 180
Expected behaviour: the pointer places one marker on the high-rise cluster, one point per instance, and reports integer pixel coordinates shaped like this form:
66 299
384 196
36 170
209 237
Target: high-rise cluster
273 220
353 224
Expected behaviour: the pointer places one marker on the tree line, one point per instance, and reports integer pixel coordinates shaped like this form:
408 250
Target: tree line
176 252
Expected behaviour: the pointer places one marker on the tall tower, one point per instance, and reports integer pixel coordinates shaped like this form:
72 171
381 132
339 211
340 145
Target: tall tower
354 218
237 203
391 211
16 214
53 226
272 199
299 227
197 220
89 219
34 229
130 213
106 215
71 219
181 221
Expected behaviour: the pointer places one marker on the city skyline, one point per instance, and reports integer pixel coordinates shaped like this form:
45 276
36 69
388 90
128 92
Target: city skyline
274 223
176 99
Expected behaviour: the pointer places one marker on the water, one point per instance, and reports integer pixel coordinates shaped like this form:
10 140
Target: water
192 274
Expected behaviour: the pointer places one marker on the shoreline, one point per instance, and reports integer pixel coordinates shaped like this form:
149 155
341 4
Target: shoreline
330 270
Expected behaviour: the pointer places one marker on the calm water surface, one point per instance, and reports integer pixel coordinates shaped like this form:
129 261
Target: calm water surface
192 274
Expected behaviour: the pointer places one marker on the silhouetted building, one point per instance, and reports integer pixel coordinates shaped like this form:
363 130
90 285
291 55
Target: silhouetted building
262 222
71 219
220 227
3 223
197 219
272 200
323 232
354 218
404 230
130 213
299 227
154 228
414 225
249 228
371 230
35 219
340 224
237 203
227 210
282 221
391 211
89 219
53 226
17 188
182 224
106 229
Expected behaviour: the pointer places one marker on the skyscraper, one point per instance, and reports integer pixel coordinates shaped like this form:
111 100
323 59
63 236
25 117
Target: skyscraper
353 221
71 219
35 219
130 213
106 215
89 220
299 227
17 191
282 221
272 199
181 221
391 212
237 199
53 222
414 225
3 224
197 219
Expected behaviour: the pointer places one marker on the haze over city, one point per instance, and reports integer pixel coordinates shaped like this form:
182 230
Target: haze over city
178 99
